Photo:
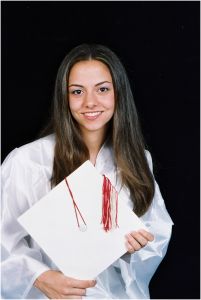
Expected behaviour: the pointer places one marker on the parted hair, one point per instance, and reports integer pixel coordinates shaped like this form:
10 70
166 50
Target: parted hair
124 132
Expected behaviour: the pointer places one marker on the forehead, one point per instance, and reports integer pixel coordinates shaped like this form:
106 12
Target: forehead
89 70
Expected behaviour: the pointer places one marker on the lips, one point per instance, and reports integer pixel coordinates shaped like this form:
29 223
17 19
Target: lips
92 115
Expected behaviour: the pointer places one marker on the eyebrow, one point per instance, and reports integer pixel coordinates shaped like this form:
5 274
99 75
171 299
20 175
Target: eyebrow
97 84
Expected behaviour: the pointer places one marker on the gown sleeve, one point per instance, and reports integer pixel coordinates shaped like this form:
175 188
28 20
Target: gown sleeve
139 267
21 264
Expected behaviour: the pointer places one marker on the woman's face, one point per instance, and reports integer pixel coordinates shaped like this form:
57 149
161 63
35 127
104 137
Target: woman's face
91 95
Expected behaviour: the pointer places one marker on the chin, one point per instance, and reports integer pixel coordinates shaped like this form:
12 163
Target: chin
94 128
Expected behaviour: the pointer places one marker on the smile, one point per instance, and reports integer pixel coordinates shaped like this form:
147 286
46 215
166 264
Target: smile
92 115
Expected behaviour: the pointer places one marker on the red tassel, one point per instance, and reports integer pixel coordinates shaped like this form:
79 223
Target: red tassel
109 208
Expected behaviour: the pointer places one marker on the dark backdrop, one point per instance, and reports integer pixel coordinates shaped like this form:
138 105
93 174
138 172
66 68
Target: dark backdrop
158 42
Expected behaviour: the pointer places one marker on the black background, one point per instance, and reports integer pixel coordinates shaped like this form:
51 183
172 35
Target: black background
159 44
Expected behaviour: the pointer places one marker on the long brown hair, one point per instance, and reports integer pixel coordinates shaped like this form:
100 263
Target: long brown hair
124 131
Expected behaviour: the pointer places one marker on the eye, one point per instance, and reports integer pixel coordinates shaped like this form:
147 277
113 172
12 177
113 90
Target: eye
76 92
103 89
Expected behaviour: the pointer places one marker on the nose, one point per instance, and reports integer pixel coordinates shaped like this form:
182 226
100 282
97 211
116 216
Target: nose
90 100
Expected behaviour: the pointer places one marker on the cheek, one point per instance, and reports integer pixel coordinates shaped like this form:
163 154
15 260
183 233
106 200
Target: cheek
111 103
73 105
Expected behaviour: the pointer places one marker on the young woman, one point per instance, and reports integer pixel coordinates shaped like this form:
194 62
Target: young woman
94 118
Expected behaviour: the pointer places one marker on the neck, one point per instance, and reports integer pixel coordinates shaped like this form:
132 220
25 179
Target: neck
93 141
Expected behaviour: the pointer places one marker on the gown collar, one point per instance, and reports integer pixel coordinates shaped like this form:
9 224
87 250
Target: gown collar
105 158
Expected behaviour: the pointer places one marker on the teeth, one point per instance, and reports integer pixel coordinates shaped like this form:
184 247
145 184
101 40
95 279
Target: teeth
92 114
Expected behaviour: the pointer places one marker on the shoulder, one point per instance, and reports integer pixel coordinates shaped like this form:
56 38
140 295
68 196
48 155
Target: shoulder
32 150
31 155
149 159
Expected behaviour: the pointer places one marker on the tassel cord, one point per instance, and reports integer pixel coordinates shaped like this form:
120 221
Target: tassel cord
75 205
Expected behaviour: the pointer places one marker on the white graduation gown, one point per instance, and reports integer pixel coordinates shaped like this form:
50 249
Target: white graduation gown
25 179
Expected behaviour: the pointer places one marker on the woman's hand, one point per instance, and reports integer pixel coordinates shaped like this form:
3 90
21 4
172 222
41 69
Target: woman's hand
138 239
55 285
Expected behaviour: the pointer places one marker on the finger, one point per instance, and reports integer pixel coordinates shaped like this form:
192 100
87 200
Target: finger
139 238
129 248
133 243
75 291
82 284
71 297
147 235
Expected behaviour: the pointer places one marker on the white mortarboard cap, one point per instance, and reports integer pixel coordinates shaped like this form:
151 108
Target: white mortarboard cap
53 225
